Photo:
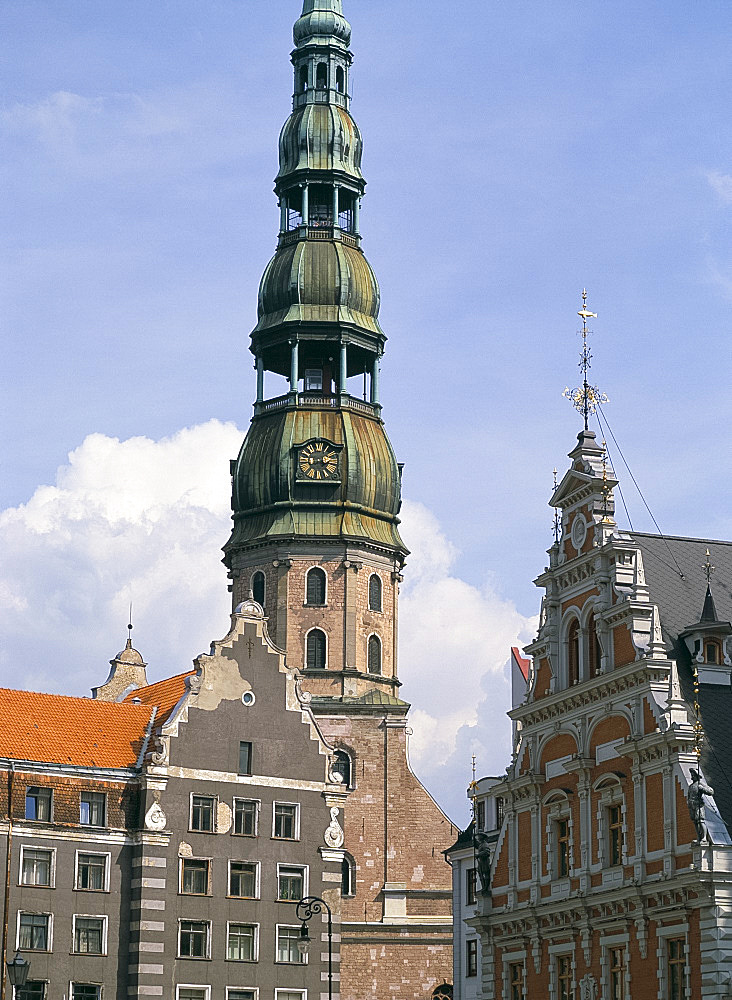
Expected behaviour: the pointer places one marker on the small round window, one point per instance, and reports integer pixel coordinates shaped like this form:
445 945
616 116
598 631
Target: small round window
248 699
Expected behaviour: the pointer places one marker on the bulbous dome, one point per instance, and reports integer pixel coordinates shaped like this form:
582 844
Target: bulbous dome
322 19
320 137
319 281
269 503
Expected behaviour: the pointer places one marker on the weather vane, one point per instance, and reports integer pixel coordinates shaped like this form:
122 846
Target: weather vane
708 568
587 397
557 525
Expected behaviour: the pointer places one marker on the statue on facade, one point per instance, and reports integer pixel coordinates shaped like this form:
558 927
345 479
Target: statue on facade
588 987
697 807
483 859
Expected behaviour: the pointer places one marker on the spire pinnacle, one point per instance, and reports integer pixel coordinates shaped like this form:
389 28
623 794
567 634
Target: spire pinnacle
557 522
587 397
129 630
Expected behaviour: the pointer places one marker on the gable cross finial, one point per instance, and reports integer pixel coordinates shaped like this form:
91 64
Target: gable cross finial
708 568
587 397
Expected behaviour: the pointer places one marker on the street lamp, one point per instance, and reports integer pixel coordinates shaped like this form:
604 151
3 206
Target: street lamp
307 908
18 971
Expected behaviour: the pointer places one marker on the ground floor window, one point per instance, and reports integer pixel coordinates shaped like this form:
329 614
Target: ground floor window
471 957
33 990
676 969
564 978
85 991
516 980
616 957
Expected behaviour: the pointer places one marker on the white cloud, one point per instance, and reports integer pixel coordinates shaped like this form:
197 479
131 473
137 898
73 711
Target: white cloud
721 184
145 520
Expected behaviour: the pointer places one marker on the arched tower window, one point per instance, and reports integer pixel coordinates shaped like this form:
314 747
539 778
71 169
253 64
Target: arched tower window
374 657
315 589
258 588
443 992
712 651
573 652
315 650
303 79
342 765
594 651
348 876
375 589
321 76
340 80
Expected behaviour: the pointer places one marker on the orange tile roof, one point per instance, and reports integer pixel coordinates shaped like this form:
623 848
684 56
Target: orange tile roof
164 694
79 731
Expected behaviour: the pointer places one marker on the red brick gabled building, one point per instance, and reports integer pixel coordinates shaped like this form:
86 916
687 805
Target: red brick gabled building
599 884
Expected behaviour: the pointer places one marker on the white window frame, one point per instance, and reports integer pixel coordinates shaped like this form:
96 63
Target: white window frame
556 951
46 984
257 811
52 874
279 994
610 793
557 809
192 986
257 879
193 958
35 913
243 961
203 795
510 958
78 982
288 927
236 989
107 868
608 942
664 934
105 926
316 628
209 878
305 880
297 820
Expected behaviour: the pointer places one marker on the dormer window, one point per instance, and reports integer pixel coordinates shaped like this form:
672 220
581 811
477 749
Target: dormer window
711 651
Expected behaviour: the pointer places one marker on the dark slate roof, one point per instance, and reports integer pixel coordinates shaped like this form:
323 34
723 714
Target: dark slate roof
680 603
465 839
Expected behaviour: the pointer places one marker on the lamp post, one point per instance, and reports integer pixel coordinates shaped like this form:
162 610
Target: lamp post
307 908
18 971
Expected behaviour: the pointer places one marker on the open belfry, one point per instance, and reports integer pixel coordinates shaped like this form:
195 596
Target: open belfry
598 867
316 499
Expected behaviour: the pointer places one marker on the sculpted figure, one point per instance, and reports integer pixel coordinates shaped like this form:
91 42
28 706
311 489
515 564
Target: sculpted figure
483 858
697 808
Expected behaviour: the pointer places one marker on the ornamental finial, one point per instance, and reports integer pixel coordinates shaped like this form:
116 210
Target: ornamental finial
557 524
587 397
708 568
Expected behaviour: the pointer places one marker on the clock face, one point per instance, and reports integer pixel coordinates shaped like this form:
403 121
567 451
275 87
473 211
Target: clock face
318 462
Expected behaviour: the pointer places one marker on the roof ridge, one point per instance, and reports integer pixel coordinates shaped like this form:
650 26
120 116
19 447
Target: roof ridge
83 699
680 538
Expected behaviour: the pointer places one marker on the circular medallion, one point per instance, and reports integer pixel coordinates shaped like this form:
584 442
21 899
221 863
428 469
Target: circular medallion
579 531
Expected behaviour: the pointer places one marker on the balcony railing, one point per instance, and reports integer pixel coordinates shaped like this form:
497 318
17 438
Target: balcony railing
316 401
319 232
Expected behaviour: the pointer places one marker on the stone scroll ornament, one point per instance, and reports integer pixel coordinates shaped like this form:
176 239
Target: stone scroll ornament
483 859
588 987
334 835
698 789
155 818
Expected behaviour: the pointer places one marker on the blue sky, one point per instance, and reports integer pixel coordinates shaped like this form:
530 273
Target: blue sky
514 151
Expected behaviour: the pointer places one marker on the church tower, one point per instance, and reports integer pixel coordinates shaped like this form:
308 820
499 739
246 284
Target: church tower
316 500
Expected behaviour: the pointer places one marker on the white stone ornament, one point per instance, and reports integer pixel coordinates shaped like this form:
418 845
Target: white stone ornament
185 850
155 818
588 987
223 818
334 835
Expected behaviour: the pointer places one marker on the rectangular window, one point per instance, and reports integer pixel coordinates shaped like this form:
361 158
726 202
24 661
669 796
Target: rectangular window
194 880
241 994
36 867
89 935
471 885
516 980
193 992
203 810
562 830
34 932
92 808
313 380
285 821
245 758
499 813
241 945
615 835
290 883
616 958
91 871
471 957
480 815
243 879
34 989
676 969
193 938
85 991
287 950
290 995
245 817
564 978
38 803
